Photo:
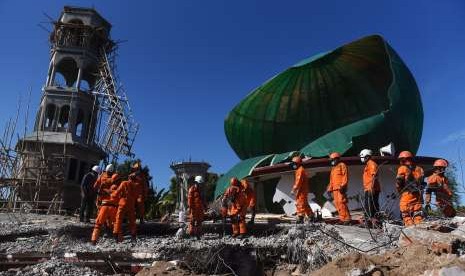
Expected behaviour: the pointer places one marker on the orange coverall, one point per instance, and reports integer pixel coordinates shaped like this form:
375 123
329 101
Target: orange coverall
408 185
250 195
127 194
439 184
301 193
196 212
106 214
371 187
237 209
103 183
142 190
338 181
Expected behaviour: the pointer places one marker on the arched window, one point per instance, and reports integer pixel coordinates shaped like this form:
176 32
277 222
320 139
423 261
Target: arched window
63 120
80 129
49 116
68 68
59 80
85 86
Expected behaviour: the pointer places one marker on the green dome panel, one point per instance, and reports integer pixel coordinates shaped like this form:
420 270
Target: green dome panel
356 96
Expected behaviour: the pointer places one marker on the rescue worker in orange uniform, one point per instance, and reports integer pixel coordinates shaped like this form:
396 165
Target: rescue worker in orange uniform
300 189
251 198
235 199
409 186
103 183
196 208
439 185
142 183
107 211
371 185
338 182
127 194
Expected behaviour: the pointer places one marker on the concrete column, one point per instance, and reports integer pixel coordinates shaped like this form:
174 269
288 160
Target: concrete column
49 73
51 78
78 81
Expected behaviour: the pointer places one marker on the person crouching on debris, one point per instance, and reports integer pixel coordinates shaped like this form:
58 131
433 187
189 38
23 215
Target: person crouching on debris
196 210
236 201
338 182
371 185
88 194
107 211
439 185
300 189
142 186
409 185
104 183
127 194
251 198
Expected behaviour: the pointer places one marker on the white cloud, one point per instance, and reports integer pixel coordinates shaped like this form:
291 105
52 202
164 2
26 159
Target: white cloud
455 136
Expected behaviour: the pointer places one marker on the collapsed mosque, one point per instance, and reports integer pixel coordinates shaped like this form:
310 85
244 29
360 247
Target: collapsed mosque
360 95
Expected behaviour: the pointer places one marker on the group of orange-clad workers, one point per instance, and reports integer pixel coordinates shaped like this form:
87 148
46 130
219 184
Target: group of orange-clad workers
240 197
118 199
410 186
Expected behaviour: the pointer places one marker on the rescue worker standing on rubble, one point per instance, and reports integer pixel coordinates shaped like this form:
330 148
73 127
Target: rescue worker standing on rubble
104 183
371 184
142 187
127 195
439 185
236 202
338 182
107 211
409 186
88 194
251 198
300 190
196 208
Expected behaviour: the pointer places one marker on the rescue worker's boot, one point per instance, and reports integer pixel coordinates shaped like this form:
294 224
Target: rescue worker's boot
300 219
93 242
133 238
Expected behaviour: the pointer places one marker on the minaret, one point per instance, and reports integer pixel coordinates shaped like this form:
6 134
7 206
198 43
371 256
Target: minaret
63 143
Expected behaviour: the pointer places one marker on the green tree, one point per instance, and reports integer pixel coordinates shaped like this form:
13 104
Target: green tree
454 185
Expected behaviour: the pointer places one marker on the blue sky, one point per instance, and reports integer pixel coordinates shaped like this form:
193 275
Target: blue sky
187 63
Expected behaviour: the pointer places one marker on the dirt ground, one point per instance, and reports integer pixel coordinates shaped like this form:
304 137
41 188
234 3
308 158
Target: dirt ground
411 260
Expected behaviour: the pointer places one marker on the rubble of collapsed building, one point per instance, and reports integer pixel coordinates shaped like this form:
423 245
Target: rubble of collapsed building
87 119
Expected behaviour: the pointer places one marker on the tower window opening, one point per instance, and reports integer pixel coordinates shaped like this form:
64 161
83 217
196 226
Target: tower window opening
49 115
80 128
63 121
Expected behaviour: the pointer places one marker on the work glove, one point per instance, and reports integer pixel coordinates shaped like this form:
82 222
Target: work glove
427 209
344 189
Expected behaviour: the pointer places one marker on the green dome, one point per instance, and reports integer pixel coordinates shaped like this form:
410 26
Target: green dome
360 95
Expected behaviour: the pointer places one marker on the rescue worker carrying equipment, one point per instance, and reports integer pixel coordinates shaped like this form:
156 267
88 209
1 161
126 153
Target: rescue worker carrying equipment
88 194
107 211
127 194
439 185
251 198
300 189
103 183
196 208
409 186
371 184
236 202
338 182
143 187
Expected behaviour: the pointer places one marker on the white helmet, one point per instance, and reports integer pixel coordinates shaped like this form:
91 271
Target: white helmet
198 179
365 153
109 168
96 169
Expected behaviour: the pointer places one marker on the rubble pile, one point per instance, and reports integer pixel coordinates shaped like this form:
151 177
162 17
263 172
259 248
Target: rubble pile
52 267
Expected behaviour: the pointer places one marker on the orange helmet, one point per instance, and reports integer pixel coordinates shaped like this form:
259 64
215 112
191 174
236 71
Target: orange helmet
234 182
297 160
405 154
440 163
115 177
335 155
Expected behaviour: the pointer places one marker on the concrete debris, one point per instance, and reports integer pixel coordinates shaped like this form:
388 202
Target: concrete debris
52 268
